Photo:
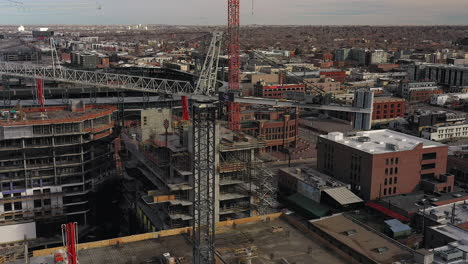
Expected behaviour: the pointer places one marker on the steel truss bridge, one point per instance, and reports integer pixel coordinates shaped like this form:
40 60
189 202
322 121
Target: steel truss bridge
147 85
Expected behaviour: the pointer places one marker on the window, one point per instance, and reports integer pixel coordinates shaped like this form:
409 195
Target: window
391 161
7 207
396 170
391 180
389 190
394 190
37 203
428 156
396 160
395 180
386 171
385 191
18 205
385 182
46 201
386 161
428 166
391 171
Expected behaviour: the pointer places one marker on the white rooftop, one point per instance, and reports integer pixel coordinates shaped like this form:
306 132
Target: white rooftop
381 141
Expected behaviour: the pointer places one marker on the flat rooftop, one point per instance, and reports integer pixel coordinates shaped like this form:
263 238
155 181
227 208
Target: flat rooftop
52 115
380 99
362 239
381 141
268 242
461 212
411 203
453 232
312 177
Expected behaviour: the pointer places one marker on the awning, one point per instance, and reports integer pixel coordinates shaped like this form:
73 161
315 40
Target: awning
388 212
343 196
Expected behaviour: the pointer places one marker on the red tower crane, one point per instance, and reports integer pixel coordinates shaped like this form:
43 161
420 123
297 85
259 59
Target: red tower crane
234 62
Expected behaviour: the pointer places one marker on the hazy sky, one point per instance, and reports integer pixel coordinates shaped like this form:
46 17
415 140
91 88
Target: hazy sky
209 12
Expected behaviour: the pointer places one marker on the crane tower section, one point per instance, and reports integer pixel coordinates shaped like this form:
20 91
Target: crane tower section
234 61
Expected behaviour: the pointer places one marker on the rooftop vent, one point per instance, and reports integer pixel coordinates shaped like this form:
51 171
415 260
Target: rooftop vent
364 139
350 232
381 250
390 146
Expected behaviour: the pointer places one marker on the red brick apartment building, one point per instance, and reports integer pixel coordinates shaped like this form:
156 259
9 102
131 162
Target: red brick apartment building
388 108
383 163
276 91
337 75
423 96
277 126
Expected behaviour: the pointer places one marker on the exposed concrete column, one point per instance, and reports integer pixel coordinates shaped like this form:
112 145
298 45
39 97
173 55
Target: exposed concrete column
24 164
55 161
82 163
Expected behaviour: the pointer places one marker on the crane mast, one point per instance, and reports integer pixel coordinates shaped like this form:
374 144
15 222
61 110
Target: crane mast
204 158
234 62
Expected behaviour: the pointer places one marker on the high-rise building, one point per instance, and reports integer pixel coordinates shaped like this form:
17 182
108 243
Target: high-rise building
51 162
382 163
342 54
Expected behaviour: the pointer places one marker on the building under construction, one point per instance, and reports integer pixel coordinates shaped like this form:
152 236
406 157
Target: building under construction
160 172
50 163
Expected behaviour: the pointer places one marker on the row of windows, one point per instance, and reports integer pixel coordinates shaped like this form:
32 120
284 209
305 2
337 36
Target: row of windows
390 181
391 106
389 191
391 111
391 161
391 171
385 116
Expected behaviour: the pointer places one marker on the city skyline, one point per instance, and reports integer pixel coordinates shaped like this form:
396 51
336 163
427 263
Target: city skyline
213 12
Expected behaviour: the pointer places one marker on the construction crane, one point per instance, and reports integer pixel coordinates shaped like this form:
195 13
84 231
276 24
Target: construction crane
204 155
234 62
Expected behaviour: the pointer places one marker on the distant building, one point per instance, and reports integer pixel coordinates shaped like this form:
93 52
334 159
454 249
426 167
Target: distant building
277 127
276 91
386 109
443 99
342 54
378 57
327 84
42 33
381 163
441 73
337 75
84 60
458 165
446 132
419 91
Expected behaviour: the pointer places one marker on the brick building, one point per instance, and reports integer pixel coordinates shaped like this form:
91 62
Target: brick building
276 126
388 108
276 91
419 91
338 75
381 163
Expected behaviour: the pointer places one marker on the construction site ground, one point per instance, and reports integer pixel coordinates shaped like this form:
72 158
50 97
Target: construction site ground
269 242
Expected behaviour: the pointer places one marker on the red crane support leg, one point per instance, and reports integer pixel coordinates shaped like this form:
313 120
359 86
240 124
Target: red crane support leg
234 62
70 229
40 93
185 108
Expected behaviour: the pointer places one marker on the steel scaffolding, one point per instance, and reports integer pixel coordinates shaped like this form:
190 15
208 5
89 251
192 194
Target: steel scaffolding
204 155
